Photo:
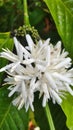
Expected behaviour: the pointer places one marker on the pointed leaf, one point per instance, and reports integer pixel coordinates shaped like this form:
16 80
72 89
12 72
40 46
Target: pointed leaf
62 13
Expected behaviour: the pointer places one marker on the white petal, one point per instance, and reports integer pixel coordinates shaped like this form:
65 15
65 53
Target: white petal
31 105
51 81
40 67
47 41
48 55
30 41
7 67
32 83
13 91
24 92
16 101
28 61
64 63
61 77
45 90
20 49
69 89
9 57
21 78
17 45
55 95
44 101
21 104
14 67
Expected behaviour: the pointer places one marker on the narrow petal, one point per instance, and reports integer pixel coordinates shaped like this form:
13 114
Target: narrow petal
21 104
64 63
13 91
51 81
61 77
30 41
55 95
69 89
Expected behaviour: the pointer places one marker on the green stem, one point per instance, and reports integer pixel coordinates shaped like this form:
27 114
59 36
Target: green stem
26 17
49 117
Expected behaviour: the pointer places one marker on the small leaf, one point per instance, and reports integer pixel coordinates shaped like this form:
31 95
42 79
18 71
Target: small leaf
67 107
62 13
10 117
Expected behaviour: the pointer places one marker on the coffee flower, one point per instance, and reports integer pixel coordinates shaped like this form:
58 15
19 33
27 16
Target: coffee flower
38 67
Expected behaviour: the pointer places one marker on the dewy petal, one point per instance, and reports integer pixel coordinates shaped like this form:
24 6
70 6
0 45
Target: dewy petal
30 41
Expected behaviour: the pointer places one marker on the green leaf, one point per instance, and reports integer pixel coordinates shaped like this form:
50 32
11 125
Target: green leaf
10 117
67 107
5 42
62 13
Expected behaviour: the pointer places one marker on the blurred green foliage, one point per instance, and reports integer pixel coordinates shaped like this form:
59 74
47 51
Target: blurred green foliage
11 14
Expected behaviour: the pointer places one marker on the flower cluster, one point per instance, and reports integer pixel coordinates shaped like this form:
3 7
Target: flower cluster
37 67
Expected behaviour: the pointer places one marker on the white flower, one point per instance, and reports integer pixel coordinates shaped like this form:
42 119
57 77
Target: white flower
52 63
38 67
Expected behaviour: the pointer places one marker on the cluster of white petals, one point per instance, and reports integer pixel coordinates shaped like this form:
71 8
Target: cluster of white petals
37 67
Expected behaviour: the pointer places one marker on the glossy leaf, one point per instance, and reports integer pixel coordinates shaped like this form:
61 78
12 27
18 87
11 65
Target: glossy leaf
10 117
62 13
67 107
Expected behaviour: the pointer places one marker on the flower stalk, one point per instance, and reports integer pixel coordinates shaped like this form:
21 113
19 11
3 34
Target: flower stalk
49 117
26 16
